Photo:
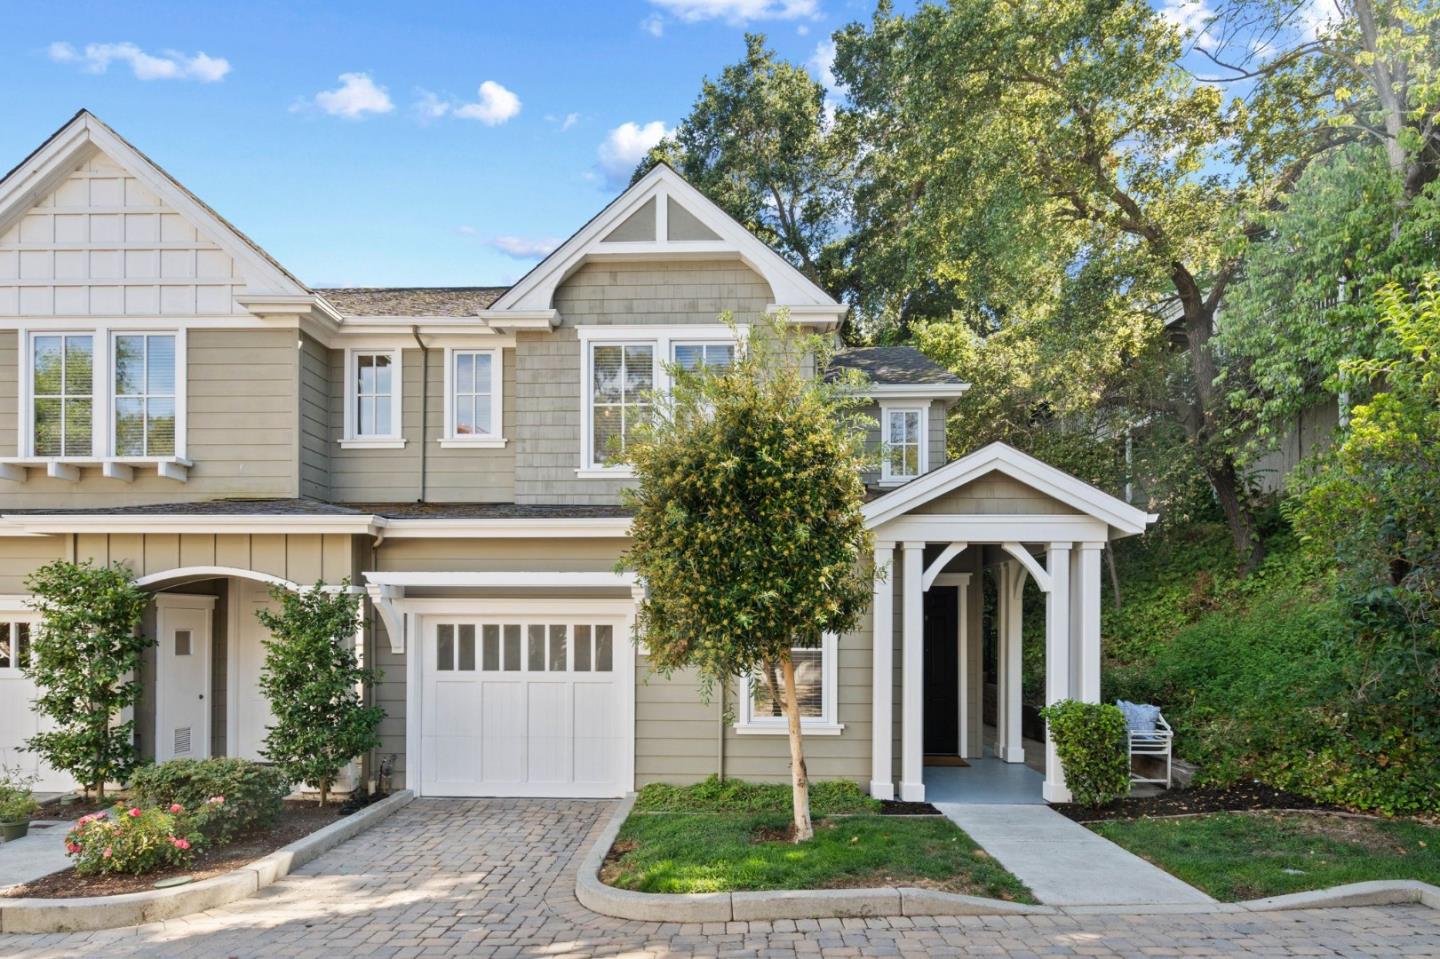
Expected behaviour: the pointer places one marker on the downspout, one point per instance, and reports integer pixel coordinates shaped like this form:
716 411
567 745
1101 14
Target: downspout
424 407
720 737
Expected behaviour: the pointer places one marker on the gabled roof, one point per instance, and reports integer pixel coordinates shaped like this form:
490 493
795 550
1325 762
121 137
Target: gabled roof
1003 458
647 207
84 133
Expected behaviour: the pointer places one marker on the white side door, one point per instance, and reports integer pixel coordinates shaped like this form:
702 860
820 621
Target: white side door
182 676
18 718
252 714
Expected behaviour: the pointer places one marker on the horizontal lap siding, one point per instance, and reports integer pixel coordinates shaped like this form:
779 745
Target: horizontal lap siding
469 475
314 419
548 366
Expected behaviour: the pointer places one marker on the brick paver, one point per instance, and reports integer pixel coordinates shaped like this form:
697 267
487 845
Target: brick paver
494 878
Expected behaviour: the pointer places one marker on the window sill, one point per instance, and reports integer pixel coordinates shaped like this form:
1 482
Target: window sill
375 443
473 442
121 468
773 729
605 472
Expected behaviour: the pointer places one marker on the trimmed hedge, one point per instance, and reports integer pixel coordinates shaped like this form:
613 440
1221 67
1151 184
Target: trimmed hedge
1092 743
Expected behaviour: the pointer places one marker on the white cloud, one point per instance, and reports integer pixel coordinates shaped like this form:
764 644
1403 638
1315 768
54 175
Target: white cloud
653 25
570 120
626 146
430 106
523 248
739 11
170 65
1313 17
822 64
1192 18
495 105
356 96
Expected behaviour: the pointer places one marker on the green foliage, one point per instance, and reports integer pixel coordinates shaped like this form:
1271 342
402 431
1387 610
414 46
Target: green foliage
314 684
716 852
84 661
736 795
252 792
747 528
137 839
16 801
1091 741
1234 856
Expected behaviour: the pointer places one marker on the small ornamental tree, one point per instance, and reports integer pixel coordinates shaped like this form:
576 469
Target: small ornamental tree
85 661
747 529
314 683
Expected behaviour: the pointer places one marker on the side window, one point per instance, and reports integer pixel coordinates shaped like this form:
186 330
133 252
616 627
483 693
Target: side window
145 394
816 676
693 356
622 374
473 397
902 432
372 400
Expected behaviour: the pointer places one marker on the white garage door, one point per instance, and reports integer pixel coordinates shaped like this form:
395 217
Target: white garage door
18 718
524 705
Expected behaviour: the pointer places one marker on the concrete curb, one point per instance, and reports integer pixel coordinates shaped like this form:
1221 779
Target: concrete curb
899 901
134 908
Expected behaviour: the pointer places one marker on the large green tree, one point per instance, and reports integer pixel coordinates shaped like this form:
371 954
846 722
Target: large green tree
758 141
1021 148
747 531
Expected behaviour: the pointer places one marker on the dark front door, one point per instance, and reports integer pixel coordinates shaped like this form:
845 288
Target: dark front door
942 671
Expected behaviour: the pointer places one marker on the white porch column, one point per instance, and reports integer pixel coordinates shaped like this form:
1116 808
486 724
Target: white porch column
912 724
1003 578
1057 659
1085 622
882 719
1013 602
962 649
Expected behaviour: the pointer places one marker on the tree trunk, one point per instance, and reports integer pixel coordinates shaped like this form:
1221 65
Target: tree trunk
1225 481
1114 574
324 791
799 779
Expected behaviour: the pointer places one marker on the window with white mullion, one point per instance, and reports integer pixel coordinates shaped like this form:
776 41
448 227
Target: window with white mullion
903 436
694 356
145 397
14 644
622 376
373 395
473 394
62 381
762 697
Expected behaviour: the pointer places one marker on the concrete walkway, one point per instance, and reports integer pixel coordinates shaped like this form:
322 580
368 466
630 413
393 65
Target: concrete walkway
40 853
1064 863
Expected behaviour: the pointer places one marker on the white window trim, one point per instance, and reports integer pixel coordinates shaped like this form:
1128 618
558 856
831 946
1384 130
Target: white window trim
826 724
663 338
886 408
391 441
102 412
495 439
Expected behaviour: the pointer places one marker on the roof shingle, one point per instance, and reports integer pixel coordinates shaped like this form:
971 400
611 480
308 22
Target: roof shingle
412 300
894 364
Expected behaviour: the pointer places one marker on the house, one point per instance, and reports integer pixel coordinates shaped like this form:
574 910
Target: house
173 398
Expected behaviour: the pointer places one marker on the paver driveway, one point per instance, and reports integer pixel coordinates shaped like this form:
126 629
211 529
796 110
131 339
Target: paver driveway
495 878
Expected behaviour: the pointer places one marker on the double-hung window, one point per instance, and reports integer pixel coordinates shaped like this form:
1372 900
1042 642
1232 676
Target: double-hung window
145 397
761 697
902 437
622 367
62 369
372 398
473 398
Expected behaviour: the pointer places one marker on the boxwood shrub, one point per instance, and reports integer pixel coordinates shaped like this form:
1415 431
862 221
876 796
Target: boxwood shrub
252 791
1092 743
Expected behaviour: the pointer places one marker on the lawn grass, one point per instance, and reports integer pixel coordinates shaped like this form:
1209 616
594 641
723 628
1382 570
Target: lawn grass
728 837
1238 856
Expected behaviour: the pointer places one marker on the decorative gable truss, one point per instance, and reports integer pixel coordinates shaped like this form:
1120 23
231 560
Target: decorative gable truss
661 217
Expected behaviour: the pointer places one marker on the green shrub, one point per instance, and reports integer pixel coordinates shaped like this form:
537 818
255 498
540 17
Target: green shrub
16 801
736 795
1091 741
137 839
252 792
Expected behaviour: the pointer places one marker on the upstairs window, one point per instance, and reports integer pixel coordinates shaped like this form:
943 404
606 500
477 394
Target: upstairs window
473 398
63 388
145 394
372 398
902 434
693 356
622 375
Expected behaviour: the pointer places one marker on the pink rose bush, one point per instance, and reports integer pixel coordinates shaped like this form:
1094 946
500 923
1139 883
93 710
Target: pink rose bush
137 839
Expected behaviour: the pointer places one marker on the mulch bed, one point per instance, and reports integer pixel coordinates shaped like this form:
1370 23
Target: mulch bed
1184 802
894 807
297 819
71 811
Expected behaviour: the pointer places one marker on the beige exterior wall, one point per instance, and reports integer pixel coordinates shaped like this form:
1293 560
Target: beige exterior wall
548 365
996 494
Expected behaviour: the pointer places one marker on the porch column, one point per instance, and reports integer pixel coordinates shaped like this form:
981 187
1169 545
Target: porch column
962 650
1085 622
912 723
1057 659
1012 697
882 678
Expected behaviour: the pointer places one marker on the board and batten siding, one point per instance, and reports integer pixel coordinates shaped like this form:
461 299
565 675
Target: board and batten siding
454 474
548 365
240 423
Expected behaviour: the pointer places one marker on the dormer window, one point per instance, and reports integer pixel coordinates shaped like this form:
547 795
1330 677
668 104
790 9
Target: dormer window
372 399
903 442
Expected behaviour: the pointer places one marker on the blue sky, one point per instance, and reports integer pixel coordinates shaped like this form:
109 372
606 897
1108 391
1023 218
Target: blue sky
389 143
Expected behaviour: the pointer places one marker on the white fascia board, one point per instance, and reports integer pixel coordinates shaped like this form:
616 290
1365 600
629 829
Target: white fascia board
42 172
188 523
1019 466
888 391
578 528
509 321
821 316
502 580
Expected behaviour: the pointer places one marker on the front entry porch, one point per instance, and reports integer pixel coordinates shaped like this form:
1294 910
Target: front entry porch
968 536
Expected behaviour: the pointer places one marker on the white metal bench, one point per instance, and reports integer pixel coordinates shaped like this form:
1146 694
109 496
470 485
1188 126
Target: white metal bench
1154 745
